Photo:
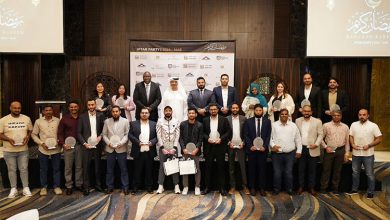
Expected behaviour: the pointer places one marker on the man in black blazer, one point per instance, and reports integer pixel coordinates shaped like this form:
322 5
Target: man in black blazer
144 139
333 96
225 96
310 92
90 126
257 158
200 99
236 147
147 94
215 148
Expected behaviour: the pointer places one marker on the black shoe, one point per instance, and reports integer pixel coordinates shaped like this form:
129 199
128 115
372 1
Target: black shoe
86 192
253 192
223 192
370 195
149 190
352 192
336 192
134 191
263 193
206 191
79 188
99 189
275 193
290 192
125 191
109 191
322 191
69 191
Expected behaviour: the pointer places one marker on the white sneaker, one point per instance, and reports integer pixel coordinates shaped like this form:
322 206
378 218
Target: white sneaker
160 189
185 191
197 191
26 192
13 193
177 189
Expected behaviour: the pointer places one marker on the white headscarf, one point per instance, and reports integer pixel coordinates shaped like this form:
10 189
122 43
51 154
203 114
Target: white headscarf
180 87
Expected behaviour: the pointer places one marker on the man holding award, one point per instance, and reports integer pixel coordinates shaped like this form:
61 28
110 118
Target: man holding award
15 131
67 134
191 138
45 135
216 134
89 130
286 145
144 138
115 135
168 133
257 137
236 148
312 134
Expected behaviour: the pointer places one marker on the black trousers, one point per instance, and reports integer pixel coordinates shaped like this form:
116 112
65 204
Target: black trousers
143 164
216 152
307 164
257 170
88 155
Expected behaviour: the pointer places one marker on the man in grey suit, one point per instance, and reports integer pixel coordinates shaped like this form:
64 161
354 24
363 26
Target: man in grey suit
312 133
200 99
147 94
90 125
116 128
236 148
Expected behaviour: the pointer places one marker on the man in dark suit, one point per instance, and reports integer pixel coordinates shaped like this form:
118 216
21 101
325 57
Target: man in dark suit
236 147
309 92
147 94
144 139
215 147
200 99
257 126
89 133
225 96
333 96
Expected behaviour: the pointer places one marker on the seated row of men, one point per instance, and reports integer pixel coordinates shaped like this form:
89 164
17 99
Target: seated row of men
243 138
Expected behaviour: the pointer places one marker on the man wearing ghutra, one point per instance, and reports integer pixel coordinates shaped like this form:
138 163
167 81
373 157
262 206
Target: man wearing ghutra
176 97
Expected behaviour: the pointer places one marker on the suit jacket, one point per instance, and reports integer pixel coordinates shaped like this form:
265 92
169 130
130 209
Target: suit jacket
242 120
232 97
84 126
250 133
195 101
315 135
135 131
197 135
139 97
342 101
314 98
121 130
223 129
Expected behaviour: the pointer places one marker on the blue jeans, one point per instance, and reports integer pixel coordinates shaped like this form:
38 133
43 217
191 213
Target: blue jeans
15 161
368 163
283 163
43 167
122 162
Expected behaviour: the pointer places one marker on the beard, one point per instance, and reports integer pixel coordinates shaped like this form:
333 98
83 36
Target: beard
258 116
116 118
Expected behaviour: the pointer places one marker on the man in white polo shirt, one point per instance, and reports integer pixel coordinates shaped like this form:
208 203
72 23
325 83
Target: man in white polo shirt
363 136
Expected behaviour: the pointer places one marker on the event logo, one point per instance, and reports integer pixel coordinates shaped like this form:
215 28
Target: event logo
206 58
215 46
222 57
189 75
10 18
370 21
206 66
190 65
170 66
139 73
141 65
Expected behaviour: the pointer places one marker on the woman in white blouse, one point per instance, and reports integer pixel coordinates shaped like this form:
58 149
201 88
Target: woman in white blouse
124 102
176 97
286 100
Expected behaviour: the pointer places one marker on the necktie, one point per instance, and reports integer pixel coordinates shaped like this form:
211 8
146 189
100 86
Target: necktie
258 128
201 93
147 92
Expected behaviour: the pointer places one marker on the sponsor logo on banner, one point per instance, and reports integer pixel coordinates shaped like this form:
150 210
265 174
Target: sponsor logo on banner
157 57
139 73
174 75
190 57
206 58
141 65
190 65
222 66
160 75
170 66
141 57
158 67
222 57
189 75
215 46
206 66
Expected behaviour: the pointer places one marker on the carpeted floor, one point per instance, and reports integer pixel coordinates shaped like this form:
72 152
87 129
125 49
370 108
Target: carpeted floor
212 206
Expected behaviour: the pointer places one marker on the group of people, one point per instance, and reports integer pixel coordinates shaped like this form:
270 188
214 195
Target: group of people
208 120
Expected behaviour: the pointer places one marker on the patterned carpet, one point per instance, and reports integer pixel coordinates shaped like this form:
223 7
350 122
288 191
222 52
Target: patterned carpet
212 206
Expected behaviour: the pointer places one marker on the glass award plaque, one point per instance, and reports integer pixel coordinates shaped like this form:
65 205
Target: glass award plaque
360 143
305 102
277 104
120 102
92 141
279 142
236 143
51 143
334 107
190 147
214 135
99 103
115 140
258 143
70 141
18 139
